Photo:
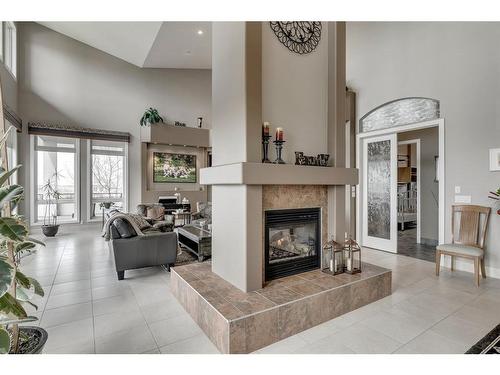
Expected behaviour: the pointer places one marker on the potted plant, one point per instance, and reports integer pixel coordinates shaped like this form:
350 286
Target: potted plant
151 116
106 205
51 195
16 289
495 195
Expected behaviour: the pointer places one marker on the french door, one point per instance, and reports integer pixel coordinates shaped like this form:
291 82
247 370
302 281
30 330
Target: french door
379 192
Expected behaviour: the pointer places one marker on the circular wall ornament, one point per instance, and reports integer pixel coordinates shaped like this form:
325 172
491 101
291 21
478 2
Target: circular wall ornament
298 36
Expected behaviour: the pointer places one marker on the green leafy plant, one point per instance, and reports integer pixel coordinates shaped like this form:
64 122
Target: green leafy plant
16 289
151 116
51 195
495 195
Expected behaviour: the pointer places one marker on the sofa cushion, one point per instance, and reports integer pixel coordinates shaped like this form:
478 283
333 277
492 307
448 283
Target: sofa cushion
155 212
141 222
114 232
124 229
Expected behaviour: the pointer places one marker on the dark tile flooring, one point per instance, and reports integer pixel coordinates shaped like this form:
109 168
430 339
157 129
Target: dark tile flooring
407 245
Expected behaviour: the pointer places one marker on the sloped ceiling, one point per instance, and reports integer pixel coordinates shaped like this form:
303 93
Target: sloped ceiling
179 45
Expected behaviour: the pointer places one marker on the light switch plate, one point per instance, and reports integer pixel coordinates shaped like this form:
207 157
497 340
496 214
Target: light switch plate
462 199
458 189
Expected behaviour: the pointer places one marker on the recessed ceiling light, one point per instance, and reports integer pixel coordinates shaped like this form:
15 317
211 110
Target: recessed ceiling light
200 32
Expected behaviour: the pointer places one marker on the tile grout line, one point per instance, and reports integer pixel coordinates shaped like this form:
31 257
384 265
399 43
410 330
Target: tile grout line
51 286
92 308
145 320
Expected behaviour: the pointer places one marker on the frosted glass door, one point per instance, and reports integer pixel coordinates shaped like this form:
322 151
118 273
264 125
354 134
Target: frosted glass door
379 192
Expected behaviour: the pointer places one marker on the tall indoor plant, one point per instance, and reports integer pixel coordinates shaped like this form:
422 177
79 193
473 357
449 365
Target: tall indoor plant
16 289
50 195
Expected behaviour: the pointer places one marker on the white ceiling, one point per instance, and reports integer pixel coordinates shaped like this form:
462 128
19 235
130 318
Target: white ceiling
178 45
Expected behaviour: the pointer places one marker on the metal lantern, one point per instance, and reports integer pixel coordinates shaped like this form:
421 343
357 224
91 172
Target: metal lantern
352 256
333 258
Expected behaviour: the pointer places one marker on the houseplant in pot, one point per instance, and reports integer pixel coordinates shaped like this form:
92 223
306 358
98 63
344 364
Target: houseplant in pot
51 195
151 116
495 195
16 289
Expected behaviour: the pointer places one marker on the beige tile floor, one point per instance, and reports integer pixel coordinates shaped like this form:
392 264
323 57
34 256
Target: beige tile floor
87 310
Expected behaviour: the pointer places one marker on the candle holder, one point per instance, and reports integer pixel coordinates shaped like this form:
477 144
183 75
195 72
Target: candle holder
279 147
265 148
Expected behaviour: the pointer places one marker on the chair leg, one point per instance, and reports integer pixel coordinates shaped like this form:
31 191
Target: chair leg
483 271
452 267
120 274
438 261
476 270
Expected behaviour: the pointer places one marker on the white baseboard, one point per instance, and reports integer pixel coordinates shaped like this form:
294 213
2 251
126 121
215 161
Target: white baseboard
466 265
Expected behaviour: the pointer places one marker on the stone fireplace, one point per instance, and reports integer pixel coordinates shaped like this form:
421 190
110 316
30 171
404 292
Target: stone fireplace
294 227
241 304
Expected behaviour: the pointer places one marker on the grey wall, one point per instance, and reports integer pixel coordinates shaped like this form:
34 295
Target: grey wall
295 94
63 80
456 63
429 189
9 87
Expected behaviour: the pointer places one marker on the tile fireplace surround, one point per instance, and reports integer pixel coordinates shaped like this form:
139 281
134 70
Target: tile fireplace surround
239 322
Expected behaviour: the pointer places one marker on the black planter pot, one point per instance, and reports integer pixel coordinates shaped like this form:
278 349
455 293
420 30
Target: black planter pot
35 333
50 230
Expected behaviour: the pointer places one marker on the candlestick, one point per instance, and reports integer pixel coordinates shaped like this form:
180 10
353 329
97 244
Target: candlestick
265 148
279 147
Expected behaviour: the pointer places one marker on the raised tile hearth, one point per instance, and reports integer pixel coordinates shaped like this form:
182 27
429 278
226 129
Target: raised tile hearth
239 322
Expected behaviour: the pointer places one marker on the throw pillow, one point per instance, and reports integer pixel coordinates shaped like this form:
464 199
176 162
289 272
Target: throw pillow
155 213
141 222
124 228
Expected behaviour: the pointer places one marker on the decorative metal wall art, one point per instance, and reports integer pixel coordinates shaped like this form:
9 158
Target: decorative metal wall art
298 36
320 161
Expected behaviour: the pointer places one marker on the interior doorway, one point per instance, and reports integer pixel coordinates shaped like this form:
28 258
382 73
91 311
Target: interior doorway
398 178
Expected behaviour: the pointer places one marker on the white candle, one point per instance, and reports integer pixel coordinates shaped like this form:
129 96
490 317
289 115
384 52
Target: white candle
349 264
331 265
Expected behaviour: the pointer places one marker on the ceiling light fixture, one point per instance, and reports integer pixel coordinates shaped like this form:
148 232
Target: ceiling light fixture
200 32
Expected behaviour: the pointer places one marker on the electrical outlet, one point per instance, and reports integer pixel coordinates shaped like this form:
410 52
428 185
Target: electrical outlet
458 189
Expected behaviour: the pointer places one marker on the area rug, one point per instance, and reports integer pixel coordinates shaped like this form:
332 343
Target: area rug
489 344
185 257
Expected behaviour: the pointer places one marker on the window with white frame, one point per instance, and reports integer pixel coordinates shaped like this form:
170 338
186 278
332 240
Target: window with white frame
1 40
107 176
11 147
9 49
55 162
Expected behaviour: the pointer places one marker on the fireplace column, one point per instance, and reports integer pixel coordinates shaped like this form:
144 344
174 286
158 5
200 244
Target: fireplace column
336 126
236 132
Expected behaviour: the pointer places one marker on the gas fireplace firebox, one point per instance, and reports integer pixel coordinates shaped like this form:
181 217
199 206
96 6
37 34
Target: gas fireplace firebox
292 241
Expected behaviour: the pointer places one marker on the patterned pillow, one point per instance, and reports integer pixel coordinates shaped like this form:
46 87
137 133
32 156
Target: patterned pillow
141 222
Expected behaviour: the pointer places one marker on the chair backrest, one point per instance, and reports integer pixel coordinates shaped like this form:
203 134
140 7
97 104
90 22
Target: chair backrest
472 224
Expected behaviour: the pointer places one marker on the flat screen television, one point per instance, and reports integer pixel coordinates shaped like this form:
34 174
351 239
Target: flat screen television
174 168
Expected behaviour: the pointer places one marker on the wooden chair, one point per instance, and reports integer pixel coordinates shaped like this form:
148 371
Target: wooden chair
471 234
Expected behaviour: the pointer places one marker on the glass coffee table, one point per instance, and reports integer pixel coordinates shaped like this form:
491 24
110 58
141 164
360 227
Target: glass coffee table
197 240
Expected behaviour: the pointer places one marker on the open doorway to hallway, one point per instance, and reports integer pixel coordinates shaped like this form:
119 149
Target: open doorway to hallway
401 185
418 193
